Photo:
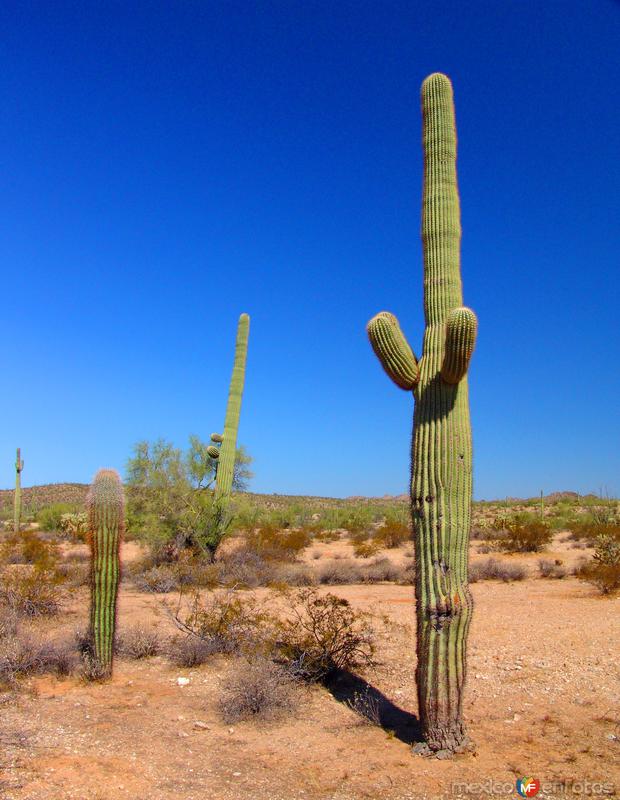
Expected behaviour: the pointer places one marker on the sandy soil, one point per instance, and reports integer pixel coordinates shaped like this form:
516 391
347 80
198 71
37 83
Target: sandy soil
543 699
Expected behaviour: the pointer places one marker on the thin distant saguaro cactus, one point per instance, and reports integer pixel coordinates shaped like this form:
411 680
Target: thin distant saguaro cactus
441 465
17 500
106 509
226 460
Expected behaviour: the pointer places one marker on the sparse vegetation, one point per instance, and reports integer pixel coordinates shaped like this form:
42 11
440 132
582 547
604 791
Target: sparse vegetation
258 689
494 569
551 569
521 533
603 570
322 634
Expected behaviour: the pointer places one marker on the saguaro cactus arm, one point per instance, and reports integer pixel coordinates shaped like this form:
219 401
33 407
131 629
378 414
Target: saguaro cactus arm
393 350
461 329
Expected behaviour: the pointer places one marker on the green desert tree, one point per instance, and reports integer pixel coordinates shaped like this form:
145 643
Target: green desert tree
171 502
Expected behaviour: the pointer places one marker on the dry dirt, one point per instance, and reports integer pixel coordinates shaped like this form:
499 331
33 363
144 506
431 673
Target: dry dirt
543 699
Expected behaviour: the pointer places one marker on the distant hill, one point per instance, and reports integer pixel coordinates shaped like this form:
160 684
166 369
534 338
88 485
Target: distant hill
35 497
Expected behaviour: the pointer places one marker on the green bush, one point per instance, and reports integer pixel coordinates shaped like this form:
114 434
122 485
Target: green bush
50 518
603 571
522 533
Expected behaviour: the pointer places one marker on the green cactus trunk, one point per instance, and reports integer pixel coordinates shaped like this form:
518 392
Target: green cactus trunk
441 471
17 499
106 507
226 460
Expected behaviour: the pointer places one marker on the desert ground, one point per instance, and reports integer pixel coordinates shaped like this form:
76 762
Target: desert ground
543 700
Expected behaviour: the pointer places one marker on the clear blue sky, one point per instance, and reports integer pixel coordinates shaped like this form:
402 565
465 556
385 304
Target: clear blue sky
166 166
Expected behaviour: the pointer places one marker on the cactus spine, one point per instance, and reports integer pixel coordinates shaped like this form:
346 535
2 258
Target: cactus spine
226 460
17 499
106 510
441 471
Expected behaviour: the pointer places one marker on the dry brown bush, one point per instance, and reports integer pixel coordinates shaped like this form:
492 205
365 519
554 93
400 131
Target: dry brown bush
229 622
392 533
30 591
272 544
493 569
258 689
551 569
322 634
25 653
139 642
190 651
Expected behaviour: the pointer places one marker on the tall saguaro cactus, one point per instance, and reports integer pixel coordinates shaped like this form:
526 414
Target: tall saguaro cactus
17 499
226 460
441 466
106 508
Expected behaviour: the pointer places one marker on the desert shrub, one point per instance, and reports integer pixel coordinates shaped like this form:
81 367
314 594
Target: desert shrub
366 548
327 535
190 651
522 533
323 634
74 526
590 531
381 570
358 521
139 642
8 621
23 654
74 573
294 575
227 621
30 591
245 569
392 533
493 569
92 670
258 689
481 531
366 706
551 569
272 544
49 518
28 547
603 570
339 571
157 580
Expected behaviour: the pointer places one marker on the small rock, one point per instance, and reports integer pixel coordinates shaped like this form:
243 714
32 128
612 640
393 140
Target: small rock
202 726
236 774
231 730
442 754
182 681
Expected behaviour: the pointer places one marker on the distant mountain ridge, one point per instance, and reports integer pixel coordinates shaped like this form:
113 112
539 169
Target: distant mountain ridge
75 494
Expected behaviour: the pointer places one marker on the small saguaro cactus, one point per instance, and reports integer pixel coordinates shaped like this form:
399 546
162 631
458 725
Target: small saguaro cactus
441 456
106 516
17 499
226 459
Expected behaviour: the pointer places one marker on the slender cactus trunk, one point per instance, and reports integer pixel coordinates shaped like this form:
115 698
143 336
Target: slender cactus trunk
17 500
441 459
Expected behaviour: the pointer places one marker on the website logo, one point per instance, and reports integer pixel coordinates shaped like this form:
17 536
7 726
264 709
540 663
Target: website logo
528 787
